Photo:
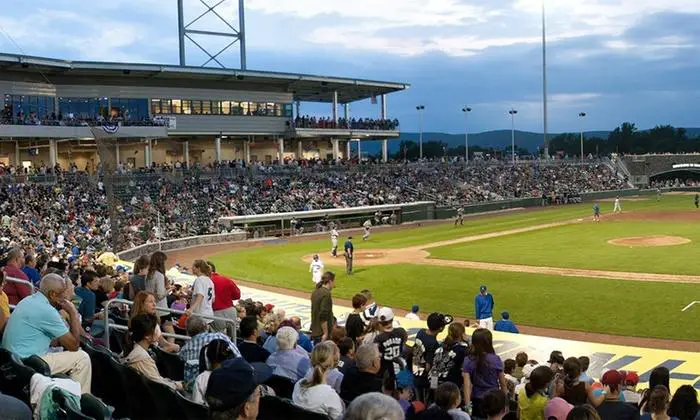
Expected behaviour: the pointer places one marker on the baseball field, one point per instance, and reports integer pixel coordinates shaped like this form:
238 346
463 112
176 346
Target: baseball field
630 274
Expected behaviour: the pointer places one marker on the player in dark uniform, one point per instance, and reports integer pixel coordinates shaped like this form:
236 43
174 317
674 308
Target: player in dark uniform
390 343
697 200
596 212
349 251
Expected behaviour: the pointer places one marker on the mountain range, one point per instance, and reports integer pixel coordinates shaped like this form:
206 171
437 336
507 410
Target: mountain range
488 139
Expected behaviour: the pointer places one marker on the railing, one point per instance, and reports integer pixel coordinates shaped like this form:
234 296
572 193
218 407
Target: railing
231 331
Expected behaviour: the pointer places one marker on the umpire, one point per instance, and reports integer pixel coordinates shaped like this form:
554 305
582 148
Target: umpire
349 249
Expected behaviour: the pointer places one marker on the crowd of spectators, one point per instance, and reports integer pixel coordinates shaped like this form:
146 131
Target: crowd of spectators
70 119
344 367
72 215
352 124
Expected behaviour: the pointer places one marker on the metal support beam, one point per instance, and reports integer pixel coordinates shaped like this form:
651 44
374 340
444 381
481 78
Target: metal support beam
300 149
335 106
237 35
359 151
217 148
347 149
246 148
346 112
336 149
280 152
18 161
147 154
53 153
186 152
383 111
385 149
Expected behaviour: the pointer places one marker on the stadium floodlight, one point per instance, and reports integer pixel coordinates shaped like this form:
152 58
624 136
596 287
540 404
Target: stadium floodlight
421 109
544 82
466 111
582 115
512 113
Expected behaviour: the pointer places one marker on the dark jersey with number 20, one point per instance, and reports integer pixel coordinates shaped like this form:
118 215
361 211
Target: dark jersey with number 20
390 345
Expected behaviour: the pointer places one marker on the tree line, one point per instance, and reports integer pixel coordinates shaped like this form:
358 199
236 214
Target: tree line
627 139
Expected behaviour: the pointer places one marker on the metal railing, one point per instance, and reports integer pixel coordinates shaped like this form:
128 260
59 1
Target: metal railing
230 322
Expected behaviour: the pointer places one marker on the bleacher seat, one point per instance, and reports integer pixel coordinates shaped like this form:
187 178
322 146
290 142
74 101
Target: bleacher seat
169 365
66 410
38 364
284 387
92 407
275 408
15 377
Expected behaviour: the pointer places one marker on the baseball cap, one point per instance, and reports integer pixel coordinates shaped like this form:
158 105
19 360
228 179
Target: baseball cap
230 385
557 408
556 357
527 370
632 378
612 377
269 307
505 315
385 314
437 321
414 309
482 289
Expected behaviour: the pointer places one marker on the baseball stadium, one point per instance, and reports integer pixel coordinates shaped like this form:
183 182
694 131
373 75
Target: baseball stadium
208 194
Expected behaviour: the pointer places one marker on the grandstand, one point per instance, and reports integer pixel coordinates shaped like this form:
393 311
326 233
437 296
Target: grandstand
651 168
230 115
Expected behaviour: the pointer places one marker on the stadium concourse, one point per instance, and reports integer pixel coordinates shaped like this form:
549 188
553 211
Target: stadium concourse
56 257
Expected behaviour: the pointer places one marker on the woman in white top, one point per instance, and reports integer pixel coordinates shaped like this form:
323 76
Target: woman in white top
315 394
202 290
157 283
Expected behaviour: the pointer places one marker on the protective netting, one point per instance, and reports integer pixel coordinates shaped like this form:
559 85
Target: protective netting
107 151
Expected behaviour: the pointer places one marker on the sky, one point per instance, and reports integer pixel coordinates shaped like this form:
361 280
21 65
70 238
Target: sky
615 60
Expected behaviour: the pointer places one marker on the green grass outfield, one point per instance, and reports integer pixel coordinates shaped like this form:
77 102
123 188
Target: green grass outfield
642 309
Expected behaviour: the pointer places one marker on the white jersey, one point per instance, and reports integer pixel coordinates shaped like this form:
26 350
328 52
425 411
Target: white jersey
316 269
334 234
367 224
205 287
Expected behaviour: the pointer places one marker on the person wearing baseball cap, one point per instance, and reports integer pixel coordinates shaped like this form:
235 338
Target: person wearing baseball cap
424 348
389 341
629 388
483 308
556 361
233 391
557 408
613 408
505 324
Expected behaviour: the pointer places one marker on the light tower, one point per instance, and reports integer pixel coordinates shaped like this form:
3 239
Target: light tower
466 111
232 33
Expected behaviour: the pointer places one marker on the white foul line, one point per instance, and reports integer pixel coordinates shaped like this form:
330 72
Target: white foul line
689 305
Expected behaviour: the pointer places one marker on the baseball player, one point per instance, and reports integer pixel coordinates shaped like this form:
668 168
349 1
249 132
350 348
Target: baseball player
696 200
483 308
316 269
618 208
334 242
658 194
349 251
596 212
460 216
367 225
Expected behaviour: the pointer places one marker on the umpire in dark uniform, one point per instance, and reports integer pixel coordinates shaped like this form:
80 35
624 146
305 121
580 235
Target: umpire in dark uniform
349 250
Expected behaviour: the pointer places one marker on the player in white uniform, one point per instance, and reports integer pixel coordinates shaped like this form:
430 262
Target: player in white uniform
460 216
316 269
618 208
367 225
334 242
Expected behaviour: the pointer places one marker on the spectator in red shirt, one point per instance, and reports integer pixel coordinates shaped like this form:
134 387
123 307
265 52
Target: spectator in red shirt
16 291
225 292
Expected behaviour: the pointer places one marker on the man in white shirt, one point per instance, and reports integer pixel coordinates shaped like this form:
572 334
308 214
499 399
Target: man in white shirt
202 291
316 269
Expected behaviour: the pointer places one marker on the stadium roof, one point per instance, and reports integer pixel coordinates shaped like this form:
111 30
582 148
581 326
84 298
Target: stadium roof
304 87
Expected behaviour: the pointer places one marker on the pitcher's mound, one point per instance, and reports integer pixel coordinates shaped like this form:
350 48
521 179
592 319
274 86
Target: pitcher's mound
645 241
374 257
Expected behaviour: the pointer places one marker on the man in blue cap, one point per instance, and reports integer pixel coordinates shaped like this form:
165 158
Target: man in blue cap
505 324
483 308
233 390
